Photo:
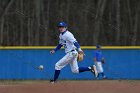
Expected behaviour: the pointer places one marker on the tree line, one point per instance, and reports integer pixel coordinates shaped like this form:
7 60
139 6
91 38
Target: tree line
105 22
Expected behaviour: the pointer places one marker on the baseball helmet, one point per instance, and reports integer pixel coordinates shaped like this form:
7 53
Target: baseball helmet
98 46
62 24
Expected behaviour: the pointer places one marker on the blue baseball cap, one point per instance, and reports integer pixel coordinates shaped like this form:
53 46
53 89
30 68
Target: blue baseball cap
62 24
98 46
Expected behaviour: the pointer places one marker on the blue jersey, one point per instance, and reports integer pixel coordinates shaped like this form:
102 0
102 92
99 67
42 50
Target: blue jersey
98 55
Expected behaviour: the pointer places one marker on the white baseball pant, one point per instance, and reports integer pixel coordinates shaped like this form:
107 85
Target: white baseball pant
99 67
69 58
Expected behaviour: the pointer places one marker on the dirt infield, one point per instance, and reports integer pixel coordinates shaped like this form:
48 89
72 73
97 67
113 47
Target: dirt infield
90 86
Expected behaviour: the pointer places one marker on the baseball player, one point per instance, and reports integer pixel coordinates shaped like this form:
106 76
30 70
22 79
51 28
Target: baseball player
70 44
99 60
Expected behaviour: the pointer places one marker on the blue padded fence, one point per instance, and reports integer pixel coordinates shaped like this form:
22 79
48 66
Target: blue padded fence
18 64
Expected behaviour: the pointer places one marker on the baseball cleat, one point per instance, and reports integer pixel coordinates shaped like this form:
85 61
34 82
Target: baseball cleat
105 77
52 81
94 70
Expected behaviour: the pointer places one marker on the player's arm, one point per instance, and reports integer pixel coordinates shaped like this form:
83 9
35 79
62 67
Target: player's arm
78 46
73 40
56 49
94 58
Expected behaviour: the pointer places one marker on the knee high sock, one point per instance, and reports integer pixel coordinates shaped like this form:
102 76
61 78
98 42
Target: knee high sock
102 74
56 75
83 69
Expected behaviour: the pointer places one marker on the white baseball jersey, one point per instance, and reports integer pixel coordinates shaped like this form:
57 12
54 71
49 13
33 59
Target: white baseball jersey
67 40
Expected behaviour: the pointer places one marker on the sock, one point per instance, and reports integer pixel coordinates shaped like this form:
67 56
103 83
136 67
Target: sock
102 74
83 69
56 75
98 75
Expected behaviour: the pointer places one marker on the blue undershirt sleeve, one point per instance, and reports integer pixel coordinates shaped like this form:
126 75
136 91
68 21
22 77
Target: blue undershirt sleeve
58 47
76 44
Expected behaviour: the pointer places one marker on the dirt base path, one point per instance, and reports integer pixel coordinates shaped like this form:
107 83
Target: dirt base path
90 86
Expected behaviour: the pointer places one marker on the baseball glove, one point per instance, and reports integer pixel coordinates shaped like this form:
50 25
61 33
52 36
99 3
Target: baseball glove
103 61
80 57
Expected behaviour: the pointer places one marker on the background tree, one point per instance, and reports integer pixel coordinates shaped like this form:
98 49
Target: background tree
105 22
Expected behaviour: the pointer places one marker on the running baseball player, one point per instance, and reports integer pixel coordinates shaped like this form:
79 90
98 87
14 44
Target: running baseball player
99 61
70 44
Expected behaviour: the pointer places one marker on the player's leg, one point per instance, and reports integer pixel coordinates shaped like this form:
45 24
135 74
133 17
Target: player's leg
59 65
73 62
103 75
74 65
76 69
94 70
100 69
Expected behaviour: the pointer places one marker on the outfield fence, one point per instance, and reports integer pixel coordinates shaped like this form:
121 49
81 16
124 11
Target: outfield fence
21 62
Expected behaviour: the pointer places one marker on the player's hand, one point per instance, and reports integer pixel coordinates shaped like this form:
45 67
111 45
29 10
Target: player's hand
81 52
80 55
52 52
